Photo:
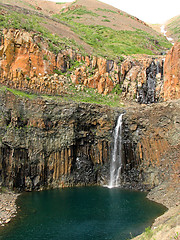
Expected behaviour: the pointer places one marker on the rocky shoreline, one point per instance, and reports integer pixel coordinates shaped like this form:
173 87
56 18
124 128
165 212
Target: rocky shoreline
8 208
168 197
166 226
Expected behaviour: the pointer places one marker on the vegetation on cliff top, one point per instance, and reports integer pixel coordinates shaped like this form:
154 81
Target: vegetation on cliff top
110 43
18 20
75 94
104 39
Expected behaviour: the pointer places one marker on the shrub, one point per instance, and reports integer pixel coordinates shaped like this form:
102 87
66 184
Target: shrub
105 10
105 20
117 89
45 57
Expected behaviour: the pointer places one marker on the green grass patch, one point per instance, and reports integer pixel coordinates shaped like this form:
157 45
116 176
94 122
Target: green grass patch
148 232
80 11
45 57
17 20
117 90
177 236
111 43
105 10
105 20
88 95
19 93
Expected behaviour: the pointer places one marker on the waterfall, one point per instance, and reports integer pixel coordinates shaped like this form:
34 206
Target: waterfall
116 159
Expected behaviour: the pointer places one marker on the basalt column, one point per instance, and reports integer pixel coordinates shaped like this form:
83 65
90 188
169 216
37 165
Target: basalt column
45 144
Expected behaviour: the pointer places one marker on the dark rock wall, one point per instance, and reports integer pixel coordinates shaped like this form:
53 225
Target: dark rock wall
46 144
149 93
152 146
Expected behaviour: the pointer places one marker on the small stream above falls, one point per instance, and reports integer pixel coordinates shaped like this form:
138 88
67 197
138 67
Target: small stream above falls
164 32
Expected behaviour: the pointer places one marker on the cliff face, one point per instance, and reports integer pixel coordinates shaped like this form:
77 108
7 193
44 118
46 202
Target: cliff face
172 73
152 150
47 144
27 64
51 144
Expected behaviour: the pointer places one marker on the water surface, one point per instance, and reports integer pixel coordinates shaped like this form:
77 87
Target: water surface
91 213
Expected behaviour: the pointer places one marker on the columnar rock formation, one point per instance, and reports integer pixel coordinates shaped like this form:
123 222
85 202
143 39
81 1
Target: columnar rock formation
46 144
172 73
152 148
27 64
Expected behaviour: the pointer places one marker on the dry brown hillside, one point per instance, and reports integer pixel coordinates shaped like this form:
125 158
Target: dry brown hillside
45 7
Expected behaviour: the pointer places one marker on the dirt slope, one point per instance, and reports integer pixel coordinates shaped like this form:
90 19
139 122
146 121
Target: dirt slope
45 7
118 20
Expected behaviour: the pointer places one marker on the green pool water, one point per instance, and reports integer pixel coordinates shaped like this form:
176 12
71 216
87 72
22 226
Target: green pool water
86 213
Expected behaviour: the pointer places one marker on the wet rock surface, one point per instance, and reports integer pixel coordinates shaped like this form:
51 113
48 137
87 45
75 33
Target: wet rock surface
148 93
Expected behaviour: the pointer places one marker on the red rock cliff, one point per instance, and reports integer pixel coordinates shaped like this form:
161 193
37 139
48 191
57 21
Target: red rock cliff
27 64
172 73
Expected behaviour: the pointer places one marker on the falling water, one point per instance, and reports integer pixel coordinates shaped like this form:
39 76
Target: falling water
116 161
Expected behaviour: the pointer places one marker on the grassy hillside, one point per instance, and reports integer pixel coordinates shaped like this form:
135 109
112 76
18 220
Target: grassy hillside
173 28
91 26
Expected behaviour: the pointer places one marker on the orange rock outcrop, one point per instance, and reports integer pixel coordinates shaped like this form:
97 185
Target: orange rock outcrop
172 73
27 64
